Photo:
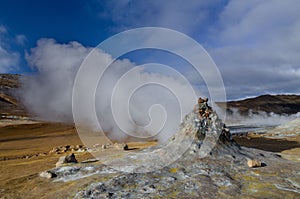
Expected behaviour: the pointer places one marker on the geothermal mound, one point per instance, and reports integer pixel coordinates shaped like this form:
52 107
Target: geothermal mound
212 166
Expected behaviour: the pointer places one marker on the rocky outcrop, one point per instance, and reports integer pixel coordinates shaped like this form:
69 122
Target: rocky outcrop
211 166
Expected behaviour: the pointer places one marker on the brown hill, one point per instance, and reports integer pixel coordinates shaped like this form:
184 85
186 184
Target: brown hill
9 105
279 104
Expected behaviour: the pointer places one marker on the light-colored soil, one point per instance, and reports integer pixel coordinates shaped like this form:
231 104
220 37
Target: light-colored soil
24 150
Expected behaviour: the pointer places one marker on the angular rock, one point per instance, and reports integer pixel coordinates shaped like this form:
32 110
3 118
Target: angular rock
66 159
70 159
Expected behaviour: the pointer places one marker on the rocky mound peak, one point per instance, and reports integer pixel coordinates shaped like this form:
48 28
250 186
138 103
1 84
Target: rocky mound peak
201 134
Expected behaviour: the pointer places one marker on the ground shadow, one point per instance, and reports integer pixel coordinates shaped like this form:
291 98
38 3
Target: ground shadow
266 144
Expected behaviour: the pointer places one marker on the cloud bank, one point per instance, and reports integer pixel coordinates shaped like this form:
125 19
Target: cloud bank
257 47
254 43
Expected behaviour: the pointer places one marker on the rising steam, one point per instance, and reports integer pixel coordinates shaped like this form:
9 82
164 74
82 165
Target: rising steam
48 93
260 118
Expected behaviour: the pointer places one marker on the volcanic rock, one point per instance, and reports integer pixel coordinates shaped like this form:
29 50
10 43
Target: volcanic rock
212 166
66 159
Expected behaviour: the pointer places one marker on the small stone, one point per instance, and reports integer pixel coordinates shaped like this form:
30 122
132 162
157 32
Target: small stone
54 150
70 159
254 163
47 174
121 146
66 159
81 150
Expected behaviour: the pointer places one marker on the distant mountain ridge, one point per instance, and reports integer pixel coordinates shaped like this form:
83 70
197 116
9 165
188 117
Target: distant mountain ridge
279 104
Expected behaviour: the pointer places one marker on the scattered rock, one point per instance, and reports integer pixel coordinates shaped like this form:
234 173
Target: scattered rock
96 146
254 163
47 174
68 148
81 148
104 146
121 146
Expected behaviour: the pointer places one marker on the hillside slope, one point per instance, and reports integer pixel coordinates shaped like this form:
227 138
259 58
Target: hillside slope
279 104
9 105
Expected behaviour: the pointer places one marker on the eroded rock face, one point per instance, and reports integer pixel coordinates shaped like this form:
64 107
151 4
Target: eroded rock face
213 166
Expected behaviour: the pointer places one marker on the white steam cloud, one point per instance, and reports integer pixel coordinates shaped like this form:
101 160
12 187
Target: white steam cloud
48 93
258 119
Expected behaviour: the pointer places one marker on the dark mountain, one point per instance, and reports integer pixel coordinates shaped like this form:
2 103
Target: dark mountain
279 104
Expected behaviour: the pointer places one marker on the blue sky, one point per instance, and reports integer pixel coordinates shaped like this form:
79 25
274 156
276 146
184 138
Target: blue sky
255 43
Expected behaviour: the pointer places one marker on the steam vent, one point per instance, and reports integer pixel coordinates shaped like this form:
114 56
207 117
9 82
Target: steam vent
211 166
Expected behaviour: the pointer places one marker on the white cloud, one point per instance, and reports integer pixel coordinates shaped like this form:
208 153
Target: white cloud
253 42
174 14
258 44
20 39
2 29
9 59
